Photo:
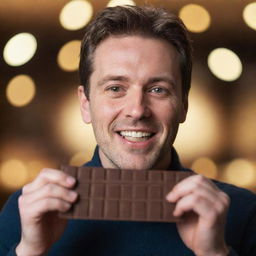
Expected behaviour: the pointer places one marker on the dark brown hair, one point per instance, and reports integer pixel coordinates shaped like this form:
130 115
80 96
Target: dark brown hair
134 20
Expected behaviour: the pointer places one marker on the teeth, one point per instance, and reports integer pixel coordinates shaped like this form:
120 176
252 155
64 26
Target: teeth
135 134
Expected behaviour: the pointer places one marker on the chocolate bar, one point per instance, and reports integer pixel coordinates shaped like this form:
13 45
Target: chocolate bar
112 194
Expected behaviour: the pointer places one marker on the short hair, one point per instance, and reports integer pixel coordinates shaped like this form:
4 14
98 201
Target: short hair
134 20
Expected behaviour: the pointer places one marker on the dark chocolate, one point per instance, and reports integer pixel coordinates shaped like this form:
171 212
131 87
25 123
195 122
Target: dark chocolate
132 195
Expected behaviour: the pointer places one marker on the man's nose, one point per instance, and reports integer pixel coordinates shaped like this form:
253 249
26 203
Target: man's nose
137 106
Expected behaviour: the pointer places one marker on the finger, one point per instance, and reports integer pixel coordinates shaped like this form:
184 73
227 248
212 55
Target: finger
48 175
206 209
38 208
189 185
50 190
192 203
201 193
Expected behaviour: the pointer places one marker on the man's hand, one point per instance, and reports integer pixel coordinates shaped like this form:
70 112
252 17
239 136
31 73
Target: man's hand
202 208
39 205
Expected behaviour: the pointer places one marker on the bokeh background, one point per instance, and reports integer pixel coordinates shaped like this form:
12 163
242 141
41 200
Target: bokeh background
40 124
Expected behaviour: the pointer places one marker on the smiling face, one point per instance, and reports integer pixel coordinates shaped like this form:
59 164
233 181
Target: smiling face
135 102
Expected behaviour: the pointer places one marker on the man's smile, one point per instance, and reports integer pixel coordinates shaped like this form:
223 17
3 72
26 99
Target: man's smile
136 136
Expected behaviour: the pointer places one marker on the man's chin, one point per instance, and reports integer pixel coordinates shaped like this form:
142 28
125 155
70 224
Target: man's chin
136 164
130 159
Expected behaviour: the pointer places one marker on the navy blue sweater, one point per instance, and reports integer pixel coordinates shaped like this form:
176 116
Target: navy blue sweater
125 238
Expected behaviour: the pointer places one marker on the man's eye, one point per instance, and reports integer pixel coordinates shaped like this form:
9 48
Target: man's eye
114 88
115 91
158 90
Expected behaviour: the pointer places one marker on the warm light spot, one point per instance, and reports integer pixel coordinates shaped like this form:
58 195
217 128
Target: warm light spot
20 49
240 172
80 158
225 64
113 3
195 17
34 167
249 15
74 133
13 174
201 134
243 118
68 57
20 90
76 14
206 167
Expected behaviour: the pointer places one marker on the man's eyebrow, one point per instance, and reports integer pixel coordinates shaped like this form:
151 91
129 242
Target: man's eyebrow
112 78
151 80
165 79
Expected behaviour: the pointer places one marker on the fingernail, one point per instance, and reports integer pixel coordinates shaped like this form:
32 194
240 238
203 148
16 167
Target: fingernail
175 213
73 194
169 197
70 180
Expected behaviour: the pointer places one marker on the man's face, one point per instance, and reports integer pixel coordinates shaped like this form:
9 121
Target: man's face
135 102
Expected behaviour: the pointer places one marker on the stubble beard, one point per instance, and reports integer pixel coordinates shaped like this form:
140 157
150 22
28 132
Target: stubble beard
120 160
158 156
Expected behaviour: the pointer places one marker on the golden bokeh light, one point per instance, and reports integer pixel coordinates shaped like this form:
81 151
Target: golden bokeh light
68 56
34 167
244 123
249 15
13 174
201 133
196 18
225 64
206 167
31 157
20 49
80 158
76 14
75 134
20 90
240 172
113 3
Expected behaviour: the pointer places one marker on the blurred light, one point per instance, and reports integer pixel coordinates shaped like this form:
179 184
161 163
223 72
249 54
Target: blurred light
75 134
196 18
20 49
76 14
206 167
240 172
68 57
80 158
20 90
13 174
249 15
201 134
225 64
34 167
244 123
32 156
113 3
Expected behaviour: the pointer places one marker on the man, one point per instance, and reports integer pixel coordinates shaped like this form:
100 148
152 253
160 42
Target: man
135 72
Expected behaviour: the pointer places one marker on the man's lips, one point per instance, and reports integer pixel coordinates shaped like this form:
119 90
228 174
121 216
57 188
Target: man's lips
136 136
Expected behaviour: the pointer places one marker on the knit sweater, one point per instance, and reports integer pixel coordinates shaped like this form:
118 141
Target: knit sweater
128 238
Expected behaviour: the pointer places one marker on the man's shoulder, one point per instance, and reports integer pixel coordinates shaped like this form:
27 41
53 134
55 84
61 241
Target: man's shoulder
11 203
242 210
10 222
236 192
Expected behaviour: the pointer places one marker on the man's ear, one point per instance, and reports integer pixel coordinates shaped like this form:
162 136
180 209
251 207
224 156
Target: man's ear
184 110
84 105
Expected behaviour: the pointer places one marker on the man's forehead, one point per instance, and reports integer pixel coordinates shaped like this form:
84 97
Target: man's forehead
135 57
125 42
